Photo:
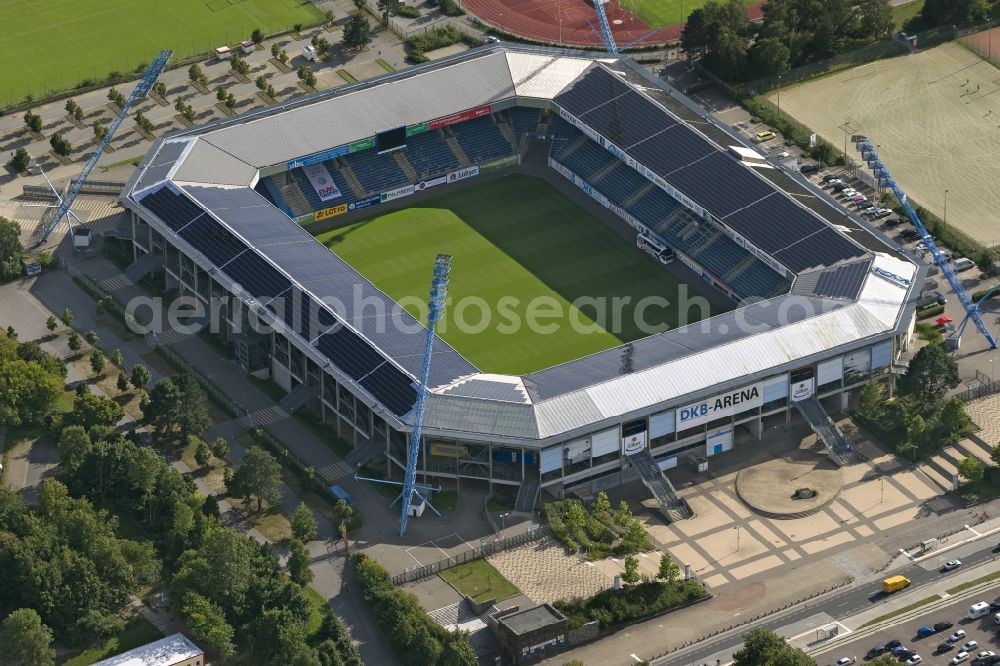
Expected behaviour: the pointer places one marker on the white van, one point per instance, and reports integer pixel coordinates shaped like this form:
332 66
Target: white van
978 609
964 264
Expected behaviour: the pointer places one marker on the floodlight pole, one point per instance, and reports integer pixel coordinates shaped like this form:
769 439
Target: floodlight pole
436 305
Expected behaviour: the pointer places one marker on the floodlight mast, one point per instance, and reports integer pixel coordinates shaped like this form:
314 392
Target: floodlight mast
602 19
436 306
972 309
141 89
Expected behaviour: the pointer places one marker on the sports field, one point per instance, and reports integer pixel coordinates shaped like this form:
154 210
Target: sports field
55 44
936 115
659 13
521 250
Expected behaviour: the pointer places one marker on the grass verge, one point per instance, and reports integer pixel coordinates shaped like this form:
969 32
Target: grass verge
384 65
972 583
347 76
900 611
138 631
479 580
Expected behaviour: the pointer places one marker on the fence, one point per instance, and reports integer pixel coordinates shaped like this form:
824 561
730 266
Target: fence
981 391
484 549
111 187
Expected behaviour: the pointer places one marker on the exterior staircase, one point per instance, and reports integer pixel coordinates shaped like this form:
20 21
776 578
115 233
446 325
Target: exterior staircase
293 196
364 453
673 507
527 496
837 446
299 396
143 266
508 133
741 267
605 170
352 180
404 163
641 192
461 615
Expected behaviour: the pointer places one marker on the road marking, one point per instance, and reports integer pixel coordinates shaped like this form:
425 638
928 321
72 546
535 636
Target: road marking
973 531
934 553
636 658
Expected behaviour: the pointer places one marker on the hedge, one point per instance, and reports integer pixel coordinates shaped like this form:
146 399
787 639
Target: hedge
793 131
614 607
417 639
436 39
932 311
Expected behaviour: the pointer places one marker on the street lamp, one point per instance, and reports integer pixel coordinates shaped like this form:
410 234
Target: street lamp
503 523
881 490
992 368
738 538
946 208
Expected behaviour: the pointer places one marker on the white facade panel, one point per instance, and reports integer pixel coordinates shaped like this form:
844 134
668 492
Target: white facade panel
605 442
775 388
578 448
830 371
662 424
882 354
551 459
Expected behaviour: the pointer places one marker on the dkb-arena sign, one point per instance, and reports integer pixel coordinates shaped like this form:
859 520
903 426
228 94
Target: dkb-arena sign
724 404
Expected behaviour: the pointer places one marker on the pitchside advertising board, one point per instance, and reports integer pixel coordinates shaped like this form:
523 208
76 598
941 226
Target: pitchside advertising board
719 406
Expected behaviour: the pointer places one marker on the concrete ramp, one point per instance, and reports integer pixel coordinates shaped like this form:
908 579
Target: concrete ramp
837 446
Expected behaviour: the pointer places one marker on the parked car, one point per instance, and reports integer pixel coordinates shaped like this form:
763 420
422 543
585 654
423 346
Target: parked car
914 660
761 137
924 632
900 651
490 39
876 651
909 234
893 644
894 222
809 168
941 626
840 187
959 658
957 636
882 212
944 647
969 646
951 565
849 191
845 661
994 607
829 178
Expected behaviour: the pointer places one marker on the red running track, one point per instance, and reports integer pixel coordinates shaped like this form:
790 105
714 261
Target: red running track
566 22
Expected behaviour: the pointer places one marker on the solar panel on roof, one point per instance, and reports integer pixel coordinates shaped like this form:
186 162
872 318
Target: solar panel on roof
257 276
842 281
212 240
176 210
391 387
349 352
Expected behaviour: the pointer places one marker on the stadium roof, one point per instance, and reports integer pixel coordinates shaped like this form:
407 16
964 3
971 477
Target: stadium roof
164 652
197 186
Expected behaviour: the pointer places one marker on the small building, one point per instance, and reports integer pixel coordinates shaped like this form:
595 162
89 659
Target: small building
247 47
223 53
748 155
176 650
81 237
531 634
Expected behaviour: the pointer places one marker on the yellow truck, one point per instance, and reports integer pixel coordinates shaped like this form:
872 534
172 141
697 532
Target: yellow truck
894 584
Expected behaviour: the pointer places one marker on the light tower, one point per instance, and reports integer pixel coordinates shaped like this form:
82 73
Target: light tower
436 305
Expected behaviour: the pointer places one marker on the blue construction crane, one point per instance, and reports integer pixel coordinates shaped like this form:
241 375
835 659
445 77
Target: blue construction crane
606 36
884 178
436 304
140 91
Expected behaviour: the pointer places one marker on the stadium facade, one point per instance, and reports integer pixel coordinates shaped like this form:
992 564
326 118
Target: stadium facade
215 212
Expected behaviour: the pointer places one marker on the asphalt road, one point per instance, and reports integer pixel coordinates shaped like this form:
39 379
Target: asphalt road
838 605
982 630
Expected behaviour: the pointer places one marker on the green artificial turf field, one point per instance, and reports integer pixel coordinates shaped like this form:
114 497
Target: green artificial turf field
512 238
659 13
55 44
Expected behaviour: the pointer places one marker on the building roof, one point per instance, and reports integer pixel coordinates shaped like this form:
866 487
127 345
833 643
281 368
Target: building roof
530 619
197 186
164 652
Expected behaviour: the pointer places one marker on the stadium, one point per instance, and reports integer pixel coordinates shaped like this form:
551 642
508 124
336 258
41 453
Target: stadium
545 174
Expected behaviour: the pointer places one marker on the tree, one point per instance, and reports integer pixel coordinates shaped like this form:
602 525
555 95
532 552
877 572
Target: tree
950 422
33 122
60 145
220 448
630 576
117 358
872 399
669 570
25 640
930 374
92 338
122 383
67 317
298 563
766 648
623 515
177 408
303 523
115 96
995 454
322 46
21 160
140 376
28 392
160 88
601 503
97 361
230 101
74 446
202 454
74 341
51 323
195 73
275 49
357 31
71 106
207 622
10 241
91 410
261 82
768 57
970 468
957 12
257 36
258 477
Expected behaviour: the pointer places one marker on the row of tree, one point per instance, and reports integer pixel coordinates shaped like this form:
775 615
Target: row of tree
793 33
766 648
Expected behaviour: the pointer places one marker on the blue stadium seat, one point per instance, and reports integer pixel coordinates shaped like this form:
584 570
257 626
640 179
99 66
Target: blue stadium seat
524 121
307 189
482 140
376 173
430 155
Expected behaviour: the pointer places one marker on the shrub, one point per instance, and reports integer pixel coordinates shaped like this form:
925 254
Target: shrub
436 39
408 11
614 607
450 8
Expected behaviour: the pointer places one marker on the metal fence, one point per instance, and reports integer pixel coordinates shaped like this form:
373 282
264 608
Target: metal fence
485 548
981 391
111 187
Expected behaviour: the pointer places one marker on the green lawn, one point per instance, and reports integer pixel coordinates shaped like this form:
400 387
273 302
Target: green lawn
903 13
137 632
53 45
522 252
658 13
479 581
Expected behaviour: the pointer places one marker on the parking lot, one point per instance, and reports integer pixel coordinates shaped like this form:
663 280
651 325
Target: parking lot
982 630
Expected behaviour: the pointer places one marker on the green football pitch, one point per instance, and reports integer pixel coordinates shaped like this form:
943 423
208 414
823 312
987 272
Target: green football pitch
659 13
521 251
52 45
